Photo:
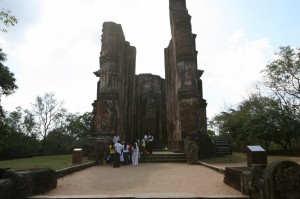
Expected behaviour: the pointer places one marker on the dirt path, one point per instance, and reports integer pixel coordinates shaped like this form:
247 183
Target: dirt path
145 178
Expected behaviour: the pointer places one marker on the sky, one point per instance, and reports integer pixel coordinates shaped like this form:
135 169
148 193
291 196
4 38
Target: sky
56 44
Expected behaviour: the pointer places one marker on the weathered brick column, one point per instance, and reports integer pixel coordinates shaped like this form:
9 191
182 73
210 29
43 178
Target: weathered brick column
186 108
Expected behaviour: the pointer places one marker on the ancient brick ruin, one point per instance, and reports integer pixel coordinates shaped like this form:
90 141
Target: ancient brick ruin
186 108
131 105
114 108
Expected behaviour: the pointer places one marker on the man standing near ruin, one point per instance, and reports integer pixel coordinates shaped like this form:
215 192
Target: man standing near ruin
146 141
146 137
116 138
150 142
118 152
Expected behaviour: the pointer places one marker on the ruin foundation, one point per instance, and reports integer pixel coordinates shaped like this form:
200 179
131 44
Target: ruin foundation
131 105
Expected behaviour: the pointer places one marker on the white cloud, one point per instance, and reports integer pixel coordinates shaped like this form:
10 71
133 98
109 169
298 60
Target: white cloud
60 51
236 36
235 69
58 55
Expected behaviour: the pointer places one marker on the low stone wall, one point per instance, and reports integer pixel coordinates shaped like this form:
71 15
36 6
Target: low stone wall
233 176
23 184
277 180
220 170
63 172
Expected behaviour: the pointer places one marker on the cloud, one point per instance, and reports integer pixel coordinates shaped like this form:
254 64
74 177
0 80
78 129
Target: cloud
60 51
236 36
234 69
58 55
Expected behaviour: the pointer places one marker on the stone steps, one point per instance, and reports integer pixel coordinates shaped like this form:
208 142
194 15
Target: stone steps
163 157
142 195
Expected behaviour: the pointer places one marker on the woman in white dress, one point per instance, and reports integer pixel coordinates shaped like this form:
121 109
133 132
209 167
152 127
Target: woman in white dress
135 154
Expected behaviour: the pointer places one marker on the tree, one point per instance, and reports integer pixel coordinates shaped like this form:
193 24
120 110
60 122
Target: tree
17 137
59 142
266 117
258 120
7 19
79 125
282 77
70 133
48 111
7 80
4 129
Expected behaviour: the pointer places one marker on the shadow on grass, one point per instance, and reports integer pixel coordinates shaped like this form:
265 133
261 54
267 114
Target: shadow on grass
234 158
54 162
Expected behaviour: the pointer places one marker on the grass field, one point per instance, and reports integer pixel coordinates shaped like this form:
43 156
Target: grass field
57 162
54 162
242 158
234 158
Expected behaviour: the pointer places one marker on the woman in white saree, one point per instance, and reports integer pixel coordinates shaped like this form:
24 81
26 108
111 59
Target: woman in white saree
135 154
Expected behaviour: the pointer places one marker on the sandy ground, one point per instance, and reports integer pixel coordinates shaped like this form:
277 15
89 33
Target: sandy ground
145 178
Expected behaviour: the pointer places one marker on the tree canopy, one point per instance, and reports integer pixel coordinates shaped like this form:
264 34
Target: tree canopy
45 129
282 77
267 118
7 19
7 79
47 111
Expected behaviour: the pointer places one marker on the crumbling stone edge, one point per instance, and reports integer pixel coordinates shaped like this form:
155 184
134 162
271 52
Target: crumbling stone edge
66 171
220 170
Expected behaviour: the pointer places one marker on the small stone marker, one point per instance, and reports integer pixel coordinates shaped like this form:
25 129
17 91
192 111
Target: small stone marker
77 156
256 155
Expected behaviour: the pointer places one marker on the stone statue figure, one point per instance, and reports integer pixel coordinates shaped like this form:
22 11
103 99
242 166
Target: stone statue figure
282 180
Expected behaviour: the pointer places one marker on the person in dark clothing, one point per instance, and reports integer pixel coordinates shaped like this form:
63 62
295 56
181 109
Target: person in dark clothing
150 142
126 153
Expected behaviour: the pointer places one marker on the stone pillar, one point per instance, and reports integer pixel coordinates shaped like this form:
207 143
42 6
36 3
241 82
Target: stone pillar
115 93
192 152
186 108
113 110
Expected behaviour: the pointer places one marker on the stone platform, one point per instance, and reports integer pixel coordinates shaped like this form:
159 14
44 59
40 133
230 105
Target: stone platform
151 180
144 195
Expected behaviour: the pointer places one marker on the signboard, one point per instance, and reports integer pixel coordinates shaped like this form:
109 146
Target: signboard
255 148
223 147
256 155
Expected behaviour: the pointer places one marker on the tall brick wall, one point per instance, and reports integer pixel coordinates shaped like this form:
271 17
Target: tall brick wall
127 104
186 108
151 107
115 91
132 105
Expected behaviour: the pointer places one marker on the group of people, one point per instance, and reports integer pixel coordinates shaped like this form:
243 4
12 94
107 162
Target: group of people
147 144
126 153
123 153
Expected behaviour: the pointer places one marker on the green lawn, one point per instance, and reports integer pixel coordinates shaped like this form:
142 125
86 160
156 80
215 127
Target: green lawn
234 158
57 162
242 158
54 162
